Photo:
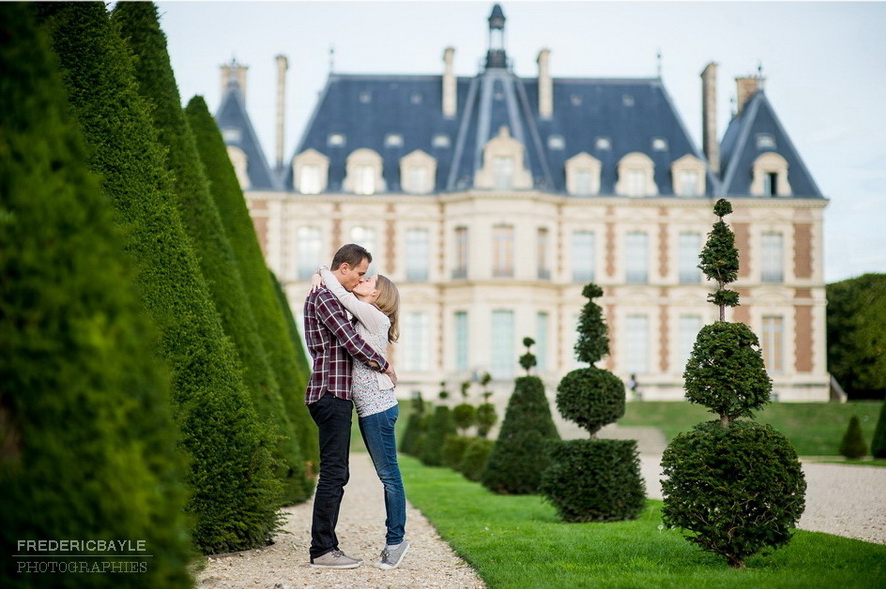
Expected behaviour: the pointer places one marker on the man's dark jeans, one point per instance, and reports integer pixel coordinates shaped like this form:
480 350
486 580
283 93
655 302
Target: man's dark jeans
333 418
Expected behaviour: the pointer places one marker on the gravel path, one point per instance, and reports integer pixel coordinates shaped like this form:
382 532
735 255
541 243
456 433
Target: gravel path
429 564
840 499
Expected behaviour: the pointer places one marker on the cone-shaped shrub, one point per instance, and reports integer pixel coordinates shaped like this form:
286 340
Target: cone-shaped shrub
409 440
440 425
734 485
141 30
260 295
852 445
878 443
87 437
233 495
518 456
593 480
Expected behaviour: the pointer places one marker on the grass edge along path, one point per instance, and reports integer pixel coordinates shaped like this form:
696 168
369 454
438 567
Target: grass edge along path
517 542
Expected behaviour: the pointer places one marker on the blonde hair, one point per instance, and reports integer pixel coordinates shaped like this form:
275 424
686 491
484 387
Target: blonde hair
388 302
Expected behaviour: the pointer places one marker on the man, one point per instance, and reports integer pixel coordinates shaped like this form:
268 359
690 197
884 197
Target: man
333 343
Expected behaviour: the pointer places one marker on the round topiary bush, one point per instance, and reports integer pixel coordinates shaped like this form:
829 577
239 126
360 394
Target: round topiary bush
591 397
735 490
516 461
594 480
464 415
487 417
475 458
454 450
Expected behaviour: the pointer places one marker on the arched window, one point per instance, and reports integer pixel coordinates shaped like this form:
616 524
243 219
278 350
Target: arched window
583 175
417 172
310 172
688 176
364 172
636 176
503 164
770 176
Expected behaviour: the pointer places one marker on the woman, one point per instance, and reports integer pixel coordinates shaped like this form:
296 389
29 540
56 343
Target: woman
375 303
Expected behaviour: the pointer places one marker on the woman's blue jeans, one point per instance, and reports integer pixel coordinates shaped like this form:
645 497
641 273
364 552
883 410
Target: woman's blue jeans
378 435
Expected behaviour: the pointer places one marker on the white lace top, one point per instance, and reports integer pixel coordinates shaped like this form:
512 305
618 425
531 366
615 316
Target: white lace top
373 391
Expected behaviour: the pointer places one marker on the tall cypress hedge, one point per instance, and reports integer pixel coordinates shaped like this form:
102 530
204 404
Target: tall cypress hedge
87 442
270 316
233 494
156 82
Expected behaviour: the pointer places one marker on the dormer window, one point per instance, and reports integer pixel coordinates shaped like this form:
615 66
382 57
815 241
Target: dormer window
688 176
231 135
659 144
310 172
335 140
769 176
365 97
603 143
364 172
417 172
241 165
765 141
503 164
393 140
636 176
440 140
575 99
627 100
583 175
556 142
415 98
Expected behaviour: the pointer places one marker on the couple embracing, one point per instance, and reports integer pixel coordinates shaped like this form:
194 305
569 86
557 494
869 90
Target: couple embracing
350 369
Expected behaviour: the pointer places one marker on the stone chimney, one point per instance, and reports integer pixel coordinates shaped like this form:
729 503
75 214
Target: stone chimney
450 106
282 66
545 85
745 88
234 72
709 116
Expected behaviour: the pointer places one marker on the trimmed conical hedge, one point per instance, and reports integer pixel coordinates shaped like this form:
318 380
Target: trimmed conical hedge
87 442
234 495
518 457
140 28
270 317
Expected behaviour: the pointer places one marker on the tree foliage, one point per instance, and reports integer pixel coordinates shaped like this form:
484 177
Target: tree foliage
283 406
87 441
856 329
852 445
736 490
517 457
735 486
233 495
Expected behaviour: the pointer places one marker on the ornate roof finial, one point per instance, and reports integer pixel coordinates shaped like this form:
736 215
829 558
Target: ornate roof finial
496 56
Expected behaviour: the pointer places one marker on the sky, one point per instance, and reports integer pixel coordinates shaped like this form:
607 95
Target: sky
824 65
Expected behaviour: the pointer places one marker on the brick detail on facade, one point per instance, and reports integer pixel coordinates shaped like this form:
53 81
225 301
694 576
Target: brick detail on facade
803 354
663 330
803 250
610 249
742 313
663 250
743 244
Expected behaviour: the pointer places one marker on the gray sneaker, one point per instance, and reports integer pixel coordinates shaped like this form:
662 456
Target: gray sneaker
392 556
335 560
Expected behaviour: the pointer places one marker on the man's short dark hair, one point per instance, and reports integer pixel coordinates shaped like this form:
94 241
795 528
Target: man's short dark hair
350 254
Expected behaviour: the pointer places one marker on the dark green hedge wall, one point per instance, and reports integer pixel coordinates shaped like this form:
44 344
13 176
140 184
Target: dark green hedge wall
87 442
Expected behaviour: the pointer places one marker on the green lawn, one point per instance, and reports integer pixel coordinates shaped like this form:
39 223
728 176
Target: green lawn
815 429
517 542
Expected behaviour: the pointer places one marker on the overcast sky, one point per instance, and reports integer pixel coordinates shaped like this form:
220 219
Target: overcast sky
824 64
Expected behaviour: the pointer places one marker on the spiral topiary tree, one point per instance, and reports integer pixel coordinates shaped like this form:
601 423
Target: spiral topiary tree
733 486
593 480
515 464
487 416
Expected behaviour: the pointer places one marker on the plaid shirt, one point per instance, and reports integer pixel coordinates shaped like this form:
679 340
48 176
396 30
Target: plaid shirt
332 342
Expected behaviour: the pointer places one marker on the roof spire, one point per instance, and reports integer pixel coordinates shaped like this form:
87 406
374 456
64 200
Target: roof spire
496 56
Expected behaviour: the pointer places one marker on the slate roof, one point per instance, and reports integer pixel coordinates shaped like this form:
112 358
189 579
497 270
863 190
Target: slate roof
233 121
630 113
739 149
